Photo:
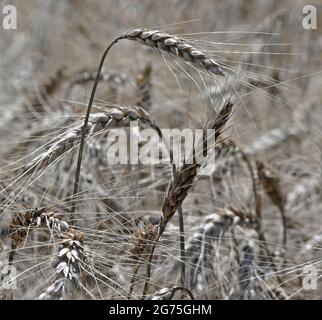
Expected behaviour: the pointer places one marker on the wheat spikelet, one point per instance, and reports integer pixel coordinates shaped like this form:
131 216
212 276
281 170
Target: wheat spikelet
168 293
98 122
175 46
178 191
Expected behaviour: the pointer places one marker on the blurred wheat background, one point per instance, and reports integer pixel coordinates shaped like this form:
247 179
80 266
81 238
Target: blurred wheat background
252 229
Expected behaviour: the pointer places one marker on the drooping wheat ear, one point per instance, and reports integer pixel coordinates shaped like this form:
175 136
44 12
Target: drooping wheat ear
168 293
272 185
143 83
84 76
72 252
46 89
157 40
253 283
34 100
175 46
210 230
70 266
22 223
273 139
98 122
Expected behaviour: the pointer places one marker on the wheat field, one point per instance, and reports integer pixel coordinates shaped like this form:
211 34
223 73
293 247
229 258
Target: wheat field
75 225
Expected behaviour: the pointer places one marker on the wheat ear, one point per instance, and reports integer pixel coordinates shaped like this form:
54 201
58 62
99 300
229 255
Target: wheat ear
209 231
272 185
98 122
182 184
70 263
21 224
183 180
72 253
